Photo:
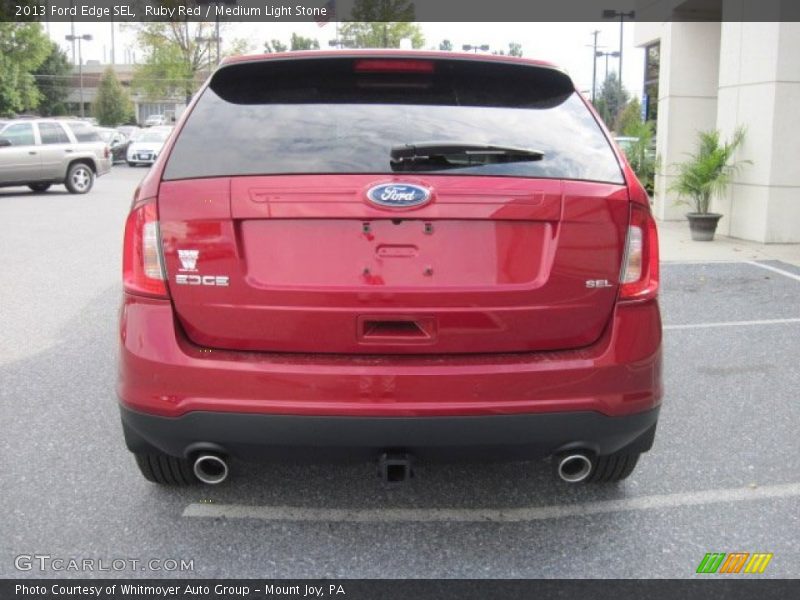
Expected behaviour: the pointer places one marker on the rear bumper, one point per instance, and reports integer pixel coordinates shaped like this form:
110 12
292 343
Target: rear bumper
141 161
163 373
253 436
103 165
177 397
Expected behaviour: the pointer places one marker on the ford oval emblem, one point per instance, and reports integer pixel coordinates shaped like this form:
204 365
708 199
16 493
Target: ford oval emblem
398 195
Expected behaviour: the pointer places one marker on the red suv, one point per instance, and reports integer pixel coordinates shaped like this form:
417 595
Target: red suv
397 255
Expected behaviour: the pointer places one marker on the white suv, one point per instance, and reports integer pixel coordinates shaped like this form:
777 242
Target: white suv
42 152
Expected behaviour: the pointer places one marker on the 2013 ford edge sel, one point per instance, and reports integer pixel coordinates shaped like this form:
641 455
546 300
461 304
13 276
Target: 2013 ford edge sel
389 255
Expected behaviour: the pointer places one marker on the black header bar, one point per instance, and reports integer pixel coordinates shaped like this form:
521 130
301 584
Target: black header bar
327 11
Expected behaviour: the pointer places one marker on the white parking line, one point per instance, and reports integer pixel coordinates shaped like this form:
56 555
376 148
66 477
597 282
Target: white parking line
731 324
775 270
667 263
490 515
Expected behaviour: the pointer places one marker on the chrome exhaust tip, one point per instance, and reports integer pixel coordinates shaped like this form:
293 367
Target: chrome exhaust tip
210 469
574 468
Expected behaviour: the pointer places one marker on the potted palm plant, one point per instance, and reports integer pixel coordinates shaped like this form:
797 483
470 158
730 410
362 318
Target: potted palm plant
706 174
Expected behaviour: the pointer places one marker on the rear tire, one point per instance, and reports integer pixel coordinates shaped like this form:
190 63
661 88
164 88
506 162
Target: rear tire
613 468
80 178
165 470
39 187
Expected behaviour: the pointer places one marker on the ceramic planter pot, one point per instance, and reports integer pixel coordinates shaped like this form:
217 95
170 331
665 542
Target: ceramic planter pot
703 225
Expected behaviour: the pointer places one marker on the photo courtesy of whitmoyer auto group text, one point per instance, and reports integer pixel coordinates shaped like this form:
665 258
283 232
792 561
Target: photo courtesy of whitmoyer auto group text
399 299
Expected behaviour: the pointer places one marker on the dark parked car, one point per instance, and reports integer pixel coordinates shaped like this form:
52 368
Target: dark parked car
117 141
129 131
319 277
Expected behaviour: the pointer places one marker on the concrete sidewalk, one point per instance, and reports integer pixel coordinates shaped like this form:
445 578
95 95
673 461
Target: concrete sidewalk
676 245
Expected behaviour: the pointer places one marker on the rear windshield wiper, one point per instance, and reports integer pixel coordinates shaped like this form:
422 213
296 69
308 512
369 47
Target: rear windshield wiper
452 155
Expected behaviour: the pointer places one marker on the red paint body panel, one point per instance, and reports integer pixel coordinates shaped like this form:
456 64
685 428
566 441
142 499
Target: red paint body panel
163 373
387 53
501 267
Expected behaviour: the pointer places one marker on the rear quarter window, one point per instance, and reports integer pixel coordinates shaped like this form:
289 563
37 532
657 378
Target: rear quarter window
84 132
332 116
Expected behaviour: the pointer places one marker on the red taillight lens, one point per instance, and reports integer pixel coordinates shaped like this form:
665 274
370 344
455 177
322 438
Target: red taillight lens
142 263
639 277
393 66
106 152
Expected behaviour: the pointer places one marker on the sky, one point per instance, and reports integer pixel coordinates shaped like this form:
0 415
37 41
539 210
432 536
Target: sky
566 44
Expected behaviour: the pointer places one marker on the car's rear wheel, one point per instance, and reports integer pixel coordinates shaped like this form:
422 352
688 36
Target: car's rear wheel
39 187
80 178
613 468
165 469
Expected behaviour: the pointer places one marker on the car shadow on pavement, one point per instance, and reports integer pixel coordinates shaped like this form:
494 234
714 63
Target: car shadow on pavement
19 192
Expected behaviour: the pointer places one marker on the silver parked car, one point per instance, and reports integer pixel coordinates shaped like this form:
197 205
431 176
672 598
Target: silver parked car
42 152
155 120
144 150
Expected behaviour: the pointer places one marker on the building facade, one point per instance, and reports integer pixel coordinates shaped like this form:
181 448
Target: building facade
143 107
714 67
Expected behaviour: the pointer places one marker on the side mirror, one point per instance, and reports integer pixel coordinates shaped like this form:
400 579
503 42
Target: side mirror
4 142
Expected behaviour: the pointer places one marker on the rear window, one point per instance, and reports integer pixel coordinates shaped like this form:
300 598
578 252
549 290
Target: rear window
345 115
153 136
106 135
84 132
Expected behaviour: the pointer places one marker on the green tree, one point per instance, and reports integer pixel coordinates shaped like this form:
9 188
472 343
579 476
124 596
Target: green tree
275 46
174 57
382 24
299 42
446 46
514 49
611 99
53 79
629 118
23 48
112 105
177 52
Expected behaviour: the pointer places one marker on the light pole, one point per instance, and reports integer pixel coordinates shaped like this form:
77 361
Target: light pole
613 14
598 54
216 37
475 47
78 38
207 41
595 33
113 45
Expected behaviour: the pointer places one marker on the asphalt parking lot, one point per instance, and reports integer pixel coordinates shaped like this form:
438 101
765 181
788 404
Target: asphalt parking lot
723 476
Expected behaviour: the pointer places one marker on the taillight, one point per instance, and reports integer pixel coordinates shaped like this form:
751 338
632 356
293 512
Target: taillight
106 152
142 263
639 277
